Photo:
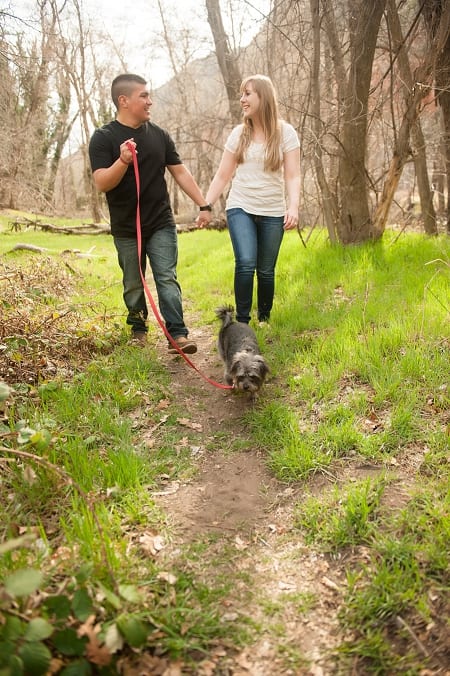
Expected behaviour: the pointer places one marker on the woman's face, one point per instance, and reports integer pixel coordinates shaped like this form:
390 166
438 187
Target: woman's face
249 101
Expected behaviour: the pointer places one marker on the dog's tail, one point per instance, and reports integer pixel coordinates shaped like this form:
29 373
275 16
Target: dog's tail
225 314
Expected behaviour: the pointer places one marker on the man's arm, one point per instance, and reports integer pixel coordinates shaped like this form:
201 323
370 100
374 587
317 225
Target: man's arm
187 183
107 178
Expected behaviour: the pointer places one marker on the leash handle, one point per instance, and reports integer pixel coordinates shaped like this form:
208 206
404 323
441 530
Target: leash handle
132 149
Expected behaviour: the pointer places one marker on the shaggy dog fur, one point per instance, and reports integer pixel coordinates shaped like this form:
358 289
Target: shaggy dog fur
245 367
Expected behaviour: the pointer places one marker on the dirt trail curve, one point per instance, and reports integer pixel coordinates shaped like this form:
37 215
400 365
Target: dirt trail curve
295 592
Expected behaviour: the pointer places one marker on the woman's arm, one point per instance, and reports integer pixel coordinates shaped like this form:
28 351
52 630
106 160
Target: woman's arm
291 165
222 176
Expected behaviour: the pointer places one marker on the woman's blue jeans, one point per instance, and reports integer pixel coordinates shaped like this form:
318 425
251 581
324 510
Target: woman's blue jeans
161 249
256 243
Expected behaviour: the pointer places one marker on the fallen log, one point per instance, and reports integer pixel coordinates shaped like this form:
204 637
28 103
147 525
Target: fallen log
214 224
41 249
29 247
83 229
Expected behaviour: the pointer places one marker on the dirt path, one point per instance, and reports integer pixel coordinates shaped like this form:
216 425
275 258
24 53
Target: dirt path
294 592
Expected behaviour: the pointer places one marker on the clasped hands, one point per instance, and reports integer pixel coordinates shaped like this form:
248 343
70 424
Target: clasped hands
203 218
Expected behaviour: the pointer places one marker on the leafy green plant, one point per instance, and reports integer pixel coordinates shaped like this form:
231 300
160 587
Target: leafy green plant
37 624
72 625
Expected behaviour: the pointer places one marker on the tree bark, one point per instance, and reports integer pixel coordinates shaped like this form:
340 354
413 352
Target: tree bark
75 64
433 63
444 101
401 153
419 156
355 223
437 19
227 60
329 203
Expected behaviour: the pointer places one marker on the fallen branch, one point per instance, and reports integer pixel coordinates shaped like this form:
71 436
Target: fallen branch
41 249
214 224
400 622
29 247
83 229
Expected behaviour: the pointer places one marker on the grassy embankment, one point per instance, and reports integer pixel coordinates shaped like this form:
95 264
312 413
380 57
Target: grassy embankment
359 350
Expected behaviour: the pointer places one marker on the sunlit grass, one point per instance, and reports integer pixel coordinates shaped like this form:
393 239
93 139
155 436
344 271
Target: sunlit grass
344 516
358 347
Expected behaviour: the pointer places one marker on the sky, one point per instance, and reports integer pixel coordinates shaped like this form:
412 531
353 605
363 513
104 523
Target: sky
137 25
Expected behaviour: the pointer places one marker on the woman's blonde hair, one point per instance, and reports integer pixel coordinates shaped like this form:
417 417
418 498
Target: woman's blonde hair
270 120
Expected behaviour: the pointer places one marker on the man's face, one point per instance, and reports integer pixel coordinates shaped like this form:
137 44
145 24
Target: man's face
137 105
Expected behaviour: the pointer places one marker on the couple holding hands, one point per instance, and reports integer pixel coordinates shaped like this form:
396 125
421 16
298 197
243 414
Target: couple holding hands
261 159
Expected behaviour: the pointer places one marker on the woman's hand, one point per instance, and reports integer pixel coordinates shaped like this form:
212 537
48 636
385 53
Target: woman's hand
290 219
203 218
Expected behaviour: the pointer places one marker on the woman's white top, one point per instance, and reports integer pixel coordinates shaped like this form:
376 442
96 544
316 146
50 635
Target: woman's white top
254 190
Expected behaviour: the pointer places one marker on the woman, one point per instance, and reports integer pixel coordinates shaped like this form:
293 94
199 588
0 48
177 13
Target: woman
262 159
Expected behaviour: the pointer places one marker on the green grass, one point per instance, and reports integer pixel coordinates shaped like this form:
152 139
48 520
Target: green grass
358 347
396 588
344 517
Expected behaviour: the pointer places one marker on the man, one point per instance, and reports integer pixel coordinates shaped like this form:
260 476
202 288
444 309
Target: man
112 166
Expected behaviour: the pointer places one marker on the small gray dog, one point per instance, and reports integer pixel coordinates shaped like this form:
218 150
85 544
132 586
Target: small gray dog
245 367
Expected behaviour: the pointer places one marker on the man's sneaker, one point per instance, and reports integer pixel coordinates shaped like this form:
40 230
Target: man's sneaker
138 338
185 345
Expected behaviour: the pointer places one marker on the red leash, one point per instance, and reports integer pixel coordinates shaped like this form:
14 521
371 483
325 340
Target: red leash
147 290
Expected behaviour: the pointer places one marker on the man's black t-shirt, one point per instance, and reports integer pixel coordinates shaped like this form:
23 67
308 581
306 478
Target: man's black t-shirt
155 150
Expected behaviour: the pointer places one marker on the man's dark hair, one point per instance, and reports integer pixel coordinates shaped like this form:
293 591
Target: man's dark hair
124 85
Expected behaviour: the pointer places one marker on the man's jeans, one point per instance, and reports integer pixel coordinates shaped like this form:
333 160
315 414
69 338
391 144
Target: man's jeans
161 249
256 242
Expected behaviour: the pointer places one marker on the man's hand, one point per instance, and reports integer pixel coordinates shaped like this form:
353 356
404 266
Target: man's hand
126 151
203 218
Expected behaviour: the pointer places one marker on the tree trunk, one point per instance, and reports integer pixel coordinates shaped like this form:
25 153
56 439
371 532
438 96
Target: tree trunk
445 106
393 177
329 205
437 19
227 60
423 182
420 160
78 77
355 223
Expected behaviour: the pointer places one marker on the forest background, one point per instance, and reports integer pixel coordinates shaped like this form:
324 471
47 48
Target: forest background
366 85
151 523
